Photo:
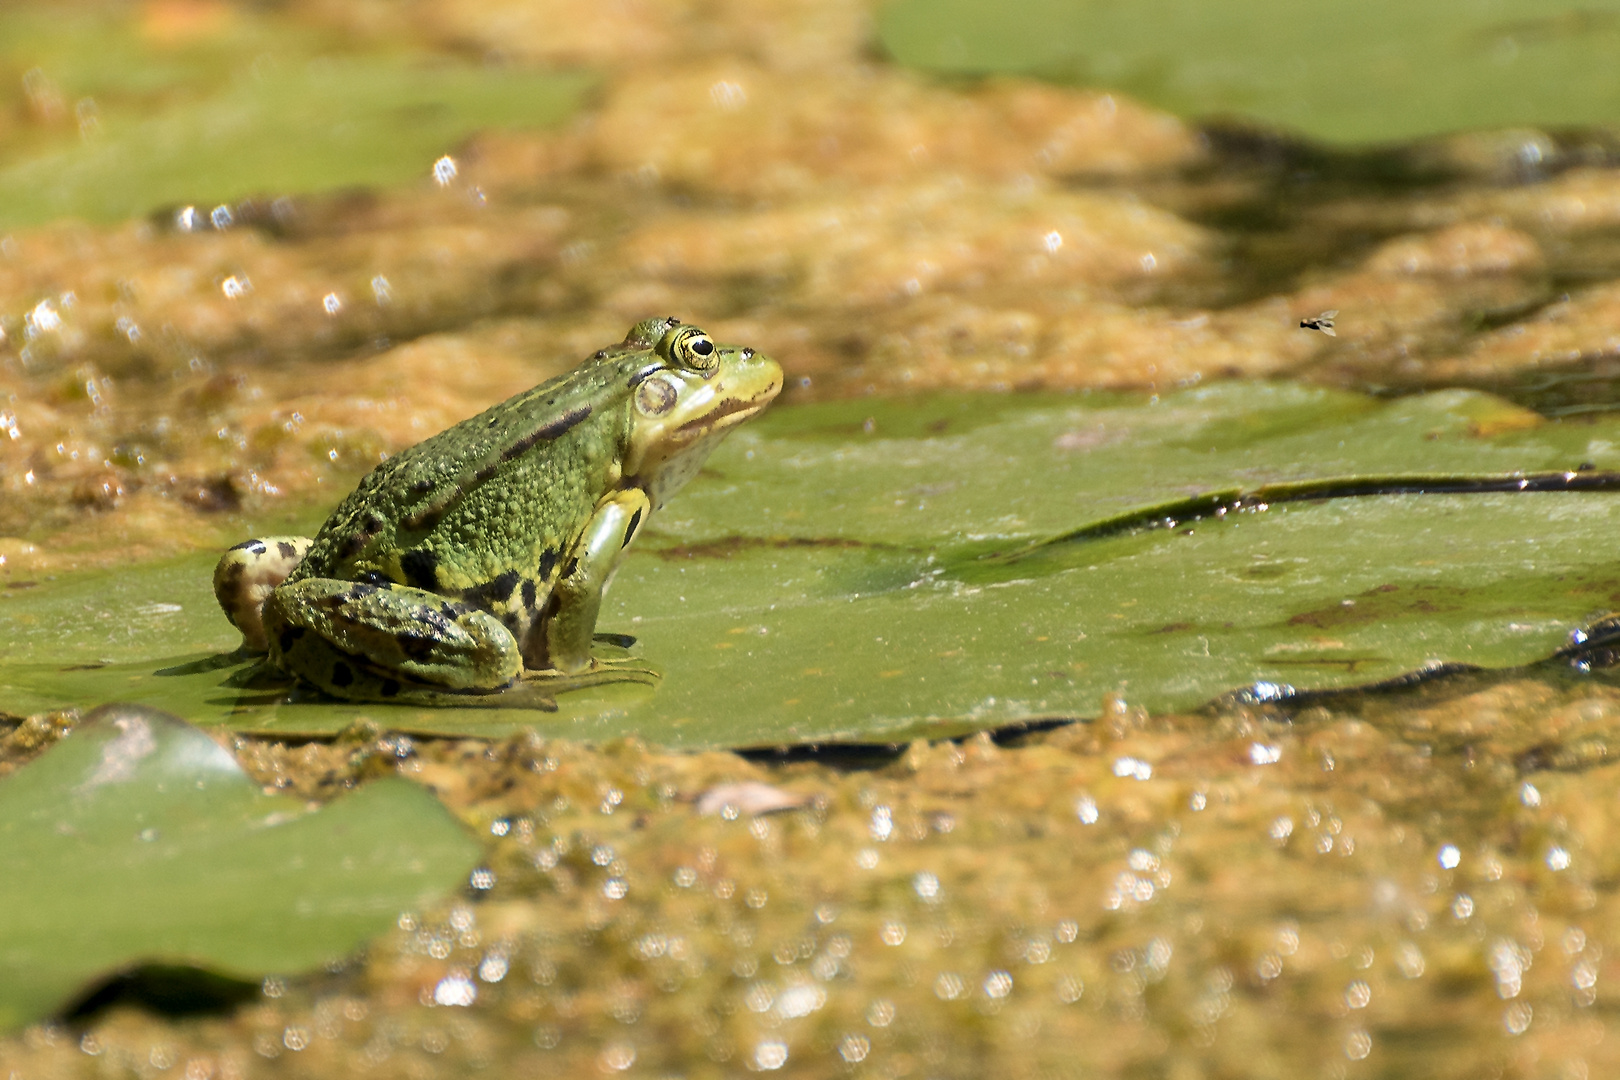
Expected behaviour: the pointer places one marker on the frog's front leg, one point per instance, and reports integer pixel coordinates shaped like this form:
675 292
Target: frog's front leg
247 574
563 639
387 643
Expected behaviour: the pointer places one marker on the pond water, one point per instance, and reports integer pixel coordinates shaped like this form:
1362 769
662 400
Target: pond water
248 251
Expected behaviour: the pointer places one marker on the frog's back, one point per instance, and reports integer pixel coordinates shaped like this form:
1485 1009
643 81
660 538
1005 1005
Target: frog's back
440 515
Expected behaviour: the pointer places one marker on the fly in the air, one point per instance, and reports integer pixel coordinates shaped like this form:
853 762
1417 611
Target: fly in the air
1323 322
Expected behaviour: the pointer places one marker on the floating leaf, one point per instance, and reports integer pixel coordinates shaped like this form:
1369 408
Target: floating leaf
138 839
257 108
887 570
1360 70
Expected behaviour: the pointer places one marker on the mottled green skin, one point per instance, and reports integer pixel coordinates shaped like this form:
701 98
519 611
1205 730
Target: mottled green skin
483 551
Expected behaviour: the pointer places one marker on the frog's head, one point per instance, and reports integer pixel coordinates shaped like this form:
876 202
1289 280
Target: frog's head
689 393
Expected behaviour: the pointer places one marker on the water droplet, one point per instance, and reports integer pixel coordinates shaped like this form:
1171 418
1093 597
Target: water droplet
801 1000
1357 1045
1516 1017
619 1056
770 1055
1449 857
444 170
1134 768
882 824
332 303
221 217
948 987
998 984
880 1013
854 1048
1358 995
455 989
1529 795
1085 808
728 95
893 933
1264 753
1409 959
1053 241
926 885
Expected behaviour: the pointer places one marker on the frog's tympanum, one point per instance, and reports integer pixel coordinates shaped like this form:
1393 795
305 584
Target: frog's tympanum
477 559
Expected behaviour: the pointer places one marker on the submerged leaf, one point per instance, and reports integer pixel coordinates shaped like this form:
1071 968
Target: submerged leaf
138 839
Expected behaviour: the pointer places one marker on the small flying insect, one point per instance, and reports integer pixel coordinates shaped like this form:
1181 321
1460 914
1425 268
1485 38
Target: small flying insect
1323 322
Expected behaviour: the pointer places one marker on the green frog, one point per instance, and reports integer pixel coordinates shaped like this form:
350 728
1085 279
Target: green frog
476 560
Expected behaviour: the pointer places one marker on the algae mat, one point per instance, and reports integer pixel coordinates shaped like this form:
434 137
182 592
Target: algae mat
865 571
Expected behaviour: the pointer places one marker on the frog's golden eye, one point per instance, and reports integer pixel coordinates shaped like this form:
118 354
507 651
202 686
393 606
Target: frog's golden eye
690 347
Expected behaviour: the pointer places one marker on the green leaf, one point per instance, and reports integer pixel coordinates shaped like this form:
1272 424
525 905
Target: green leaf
1345 70
883 570
139 839
264 110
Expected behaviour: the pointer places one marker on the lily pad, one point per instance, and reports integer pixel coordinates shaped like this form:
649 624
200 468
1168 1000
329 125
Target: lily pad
887 570
1344 70
139 839
256 108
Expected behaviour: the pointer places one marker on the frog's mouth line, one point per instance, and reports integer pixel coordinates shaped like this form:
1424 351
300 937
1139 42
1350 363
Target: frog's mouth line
731 412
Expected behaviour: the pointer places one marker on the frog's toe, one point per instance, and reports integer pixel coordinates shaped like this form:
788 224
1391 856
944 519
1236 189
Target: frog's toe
247 574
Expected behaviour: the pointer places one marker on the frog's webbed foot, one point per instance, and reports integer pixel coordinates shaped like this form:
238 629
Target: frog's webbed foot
600 673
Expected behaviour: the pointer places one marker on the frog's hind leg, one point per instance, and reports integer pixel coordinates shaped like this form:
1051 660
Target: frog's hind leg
387 643
245 577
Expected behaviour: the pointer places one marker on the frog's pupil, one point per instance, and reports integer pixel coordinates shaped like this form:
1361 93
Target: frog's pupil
703 346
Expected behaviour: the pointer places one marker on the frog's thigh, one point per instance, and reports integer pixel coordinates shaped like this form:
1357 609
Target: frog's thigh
577 597
245 576
338 633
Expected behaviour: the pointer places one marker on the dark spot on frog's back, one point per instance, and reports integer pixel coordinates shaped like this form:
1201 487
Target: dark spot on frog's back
547 561
528 593
287 549
421 568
